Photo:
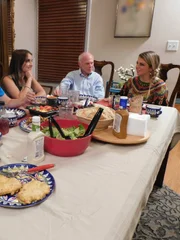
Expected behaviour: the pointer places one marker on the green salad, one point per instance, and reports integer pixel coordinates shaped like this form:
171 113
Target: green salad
72 132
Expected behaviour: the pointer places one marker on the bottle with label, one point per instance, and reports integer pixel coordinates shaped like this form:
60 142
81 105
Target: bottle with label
35 142
120 123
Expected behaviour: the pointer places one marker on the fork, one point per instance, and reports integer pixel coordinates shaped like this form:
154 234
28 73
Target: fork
29 171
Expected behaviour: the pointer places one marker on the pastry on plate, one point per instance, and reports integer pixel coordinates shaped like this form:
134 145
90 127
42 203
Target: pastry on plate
33 191
9 185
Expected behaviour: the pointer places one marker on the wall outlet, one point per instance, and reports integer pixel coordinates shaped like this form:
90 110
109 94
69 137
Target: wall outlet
172 45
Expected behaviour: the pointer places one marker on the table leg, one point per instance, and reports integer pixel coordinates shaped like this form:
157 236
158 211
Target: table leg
160 176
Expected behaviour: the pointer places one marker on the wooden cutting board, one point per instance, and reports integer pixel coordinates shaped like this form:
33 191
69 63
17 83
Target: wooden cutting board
107 136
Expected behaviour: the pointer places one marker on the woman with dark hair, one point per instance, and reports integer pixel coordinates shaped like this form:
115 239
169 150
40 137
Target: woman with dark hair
147 83
20 79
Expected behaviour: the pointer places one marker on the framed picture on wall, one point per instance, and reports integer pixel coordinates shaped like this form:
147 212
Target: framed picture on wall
134 18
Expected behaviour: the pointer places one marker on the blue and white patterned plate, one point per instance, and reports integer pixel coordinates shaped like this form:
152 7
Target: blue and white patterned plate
91 98
26 127
19 112
10 201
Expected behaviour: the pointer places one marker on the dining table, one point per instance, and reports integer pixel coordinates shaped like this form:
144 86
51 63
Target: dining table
98 195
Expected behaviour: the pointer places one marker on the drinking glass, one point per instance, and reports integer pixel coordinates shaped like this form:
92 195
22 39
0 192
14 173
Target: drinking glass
66 112
63 96
4 125
73 95
63 91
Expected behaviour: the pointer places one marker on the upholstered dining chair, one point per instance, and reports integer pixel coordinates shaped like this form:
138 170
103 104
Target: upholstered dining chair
48 89
163 74
98 65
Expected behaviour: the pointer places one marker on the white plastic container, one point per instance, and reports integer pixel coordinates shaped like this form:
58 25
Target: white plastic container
35 143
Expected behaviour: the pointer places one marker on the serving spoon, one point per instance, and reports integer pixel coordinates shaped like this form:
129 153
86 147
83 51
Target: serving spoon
93 123
58 128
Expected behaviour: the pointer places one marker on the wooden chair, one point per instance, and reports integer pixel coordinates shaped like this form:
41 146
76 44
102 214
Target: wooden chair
98 68
164 68
1 70
48 89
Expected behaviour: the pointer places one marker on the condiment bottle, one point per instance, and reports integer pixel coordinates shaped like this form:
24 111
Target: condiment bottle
120 123
35 142
4 122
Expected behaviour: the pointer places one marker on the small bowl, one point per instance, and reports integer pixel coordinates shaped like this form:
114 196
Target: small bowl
52 100
12 118
66 148
40 100
62 101
153 110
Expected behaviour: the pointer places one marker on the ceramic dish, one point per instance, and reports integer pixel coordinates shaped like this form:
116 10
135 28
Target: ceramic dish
24 126
40 100
43 111
91 98
10 201
20 113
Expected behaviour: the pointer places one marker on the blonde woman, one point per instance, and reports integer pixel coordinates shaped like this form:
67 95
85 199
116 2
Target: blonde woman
147 83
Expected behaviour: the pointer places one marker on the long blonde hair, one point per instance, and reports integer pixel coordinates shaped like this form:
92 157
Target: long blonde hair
153 61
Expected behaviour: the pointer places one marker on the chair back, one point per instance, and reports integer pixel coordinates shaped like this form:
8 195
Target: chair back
163 74
48 89
1 70
98 65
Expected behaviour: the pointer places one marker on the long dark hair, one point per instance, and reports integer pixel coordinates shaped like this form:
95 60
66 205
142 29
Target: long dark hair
17 60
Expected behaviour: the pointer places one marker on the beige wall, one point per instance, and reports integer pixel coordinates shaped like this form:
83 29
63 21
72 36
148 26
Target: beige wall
26 27
101 41
124 51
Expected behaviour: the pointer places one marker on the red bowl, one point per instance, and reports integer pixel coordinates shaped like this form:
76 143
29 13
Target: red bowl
66 148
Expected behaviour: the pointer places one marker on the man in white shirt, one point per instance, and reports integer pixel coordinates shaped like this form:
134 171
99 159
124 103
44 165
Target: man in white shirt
85 79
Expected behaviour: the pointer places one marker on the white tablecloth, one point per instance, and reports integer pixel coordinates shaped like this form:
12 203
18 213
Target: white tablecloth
99 195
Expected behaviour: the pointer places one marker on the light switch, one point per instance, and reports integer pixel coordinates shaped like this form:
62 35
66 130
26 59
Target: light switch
172 45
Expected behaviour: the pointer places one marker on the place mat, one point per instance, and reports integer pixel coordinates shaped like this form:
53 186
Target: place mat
107 136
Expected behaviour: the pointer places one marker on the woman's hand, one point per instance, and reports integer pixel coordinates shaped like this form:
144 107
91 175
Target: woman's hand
30 97
28 74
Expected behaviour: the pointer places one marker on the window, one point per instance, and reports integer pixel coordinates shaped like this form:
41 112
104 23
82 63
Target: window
62 26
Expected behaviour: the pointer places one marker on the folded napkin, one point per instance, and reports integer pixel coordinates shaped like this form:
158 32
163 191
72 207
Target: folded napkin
138 124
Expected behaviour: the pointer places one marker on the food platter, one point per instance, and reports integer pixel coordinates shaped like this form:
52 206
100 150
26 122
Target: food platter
43 111
26 125
107 136
10 201
20 113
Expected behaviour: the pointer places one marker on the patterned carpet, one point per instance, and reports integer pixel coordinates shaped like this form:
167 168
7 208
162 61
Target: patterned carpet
160 220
